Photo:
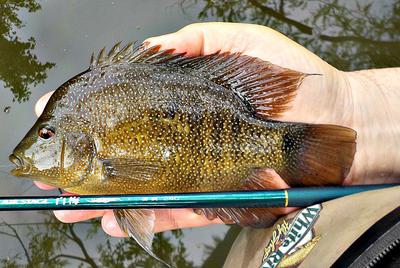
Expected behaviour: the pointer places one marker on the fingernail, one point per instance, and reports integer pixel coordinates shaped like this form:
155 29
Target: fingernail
62 215
41 103
146 44
111 227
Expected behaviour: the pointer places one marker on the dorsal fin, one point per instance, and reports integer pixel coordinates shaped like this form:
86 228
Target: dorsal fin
263 86
132 53
266 87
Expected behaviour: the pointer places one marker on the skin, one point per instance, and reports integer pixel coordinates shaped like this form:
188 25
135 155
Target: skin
366 101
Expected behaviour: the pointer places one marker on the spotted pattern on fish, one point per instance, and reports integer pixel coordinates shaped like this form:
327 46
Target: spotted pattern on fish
142 120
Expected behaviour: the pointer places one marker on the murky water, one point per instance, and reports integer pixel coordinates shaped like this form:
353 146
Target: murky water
43 43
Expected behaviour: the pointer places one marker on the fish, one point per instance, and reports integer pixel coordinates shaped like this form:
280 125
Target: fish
149 120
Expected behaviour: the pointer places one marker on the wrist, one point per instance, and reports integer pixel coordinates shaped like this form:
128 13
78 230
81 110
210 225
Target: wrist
376 118
322 99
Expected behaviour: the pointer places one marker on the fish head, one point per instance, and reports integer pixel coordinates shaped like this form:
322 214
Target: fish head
57 151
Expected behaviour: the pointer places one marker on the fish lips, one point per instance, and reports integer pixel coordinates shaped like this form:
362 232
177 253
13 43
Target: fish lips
22 166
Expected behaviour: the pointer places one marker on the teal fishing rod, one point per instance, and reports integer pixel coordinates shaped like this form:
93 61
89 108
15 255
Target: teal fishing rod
293 197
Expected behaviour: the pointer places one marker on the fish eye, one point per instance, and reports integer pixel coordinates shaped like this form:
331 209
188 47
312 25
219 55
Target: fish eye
46 132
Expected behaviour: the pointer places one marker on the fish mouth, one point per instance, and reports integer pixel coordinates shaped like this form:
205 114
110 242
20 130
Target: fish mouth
22 166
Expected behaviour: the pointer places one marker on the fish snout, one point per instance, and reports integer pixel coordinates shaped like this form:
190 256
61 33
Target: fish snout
18 161
22 165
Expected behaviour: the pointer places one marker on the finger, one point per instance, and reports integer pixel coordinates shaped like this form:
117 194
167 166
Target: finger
197 39
166 219
172 41
110 225
44 186
69 216
253 40
41 103
179 41
170 219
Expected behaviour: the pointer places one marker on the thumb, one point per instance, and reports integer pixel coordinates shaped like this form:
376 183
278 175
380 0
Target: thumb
41 103
205 38
183 41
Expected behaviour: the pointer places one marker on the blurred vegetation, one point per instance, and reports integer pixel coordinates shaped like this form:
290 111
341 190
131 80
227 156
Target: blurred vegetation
19 68
45 244
218 252
348 34
49 243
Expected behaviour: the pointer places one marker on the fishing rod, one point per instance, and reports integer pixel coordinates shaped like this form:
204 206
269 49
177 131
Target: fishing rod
292 197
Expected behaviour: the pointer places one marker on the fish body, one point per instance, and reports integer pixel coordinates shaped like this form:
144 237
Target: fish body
167 132
148 121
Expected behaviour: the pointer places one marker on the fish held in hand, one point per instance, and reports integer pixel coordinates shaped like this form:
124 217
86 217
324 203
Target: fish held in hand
145 120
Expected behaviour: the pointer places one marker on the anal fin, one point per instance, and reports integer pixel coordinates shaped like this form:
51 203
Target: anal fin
139 224
253 217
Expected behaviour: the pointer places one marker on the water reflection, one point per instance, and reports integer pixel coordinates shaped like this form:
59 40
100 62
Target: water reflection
220 249
22 68
348 34
44 246
7 109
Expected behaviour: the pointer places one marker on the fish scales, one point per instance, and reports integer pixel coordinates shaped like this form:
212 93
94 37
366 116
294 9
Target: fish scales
150 114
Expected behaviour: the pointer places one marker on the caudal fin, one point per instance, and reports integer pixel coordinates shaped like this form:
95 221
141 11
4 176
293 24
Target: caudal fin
317 154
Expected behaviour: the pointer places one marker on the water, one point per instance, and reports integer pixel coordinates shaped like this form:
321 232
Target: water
43 43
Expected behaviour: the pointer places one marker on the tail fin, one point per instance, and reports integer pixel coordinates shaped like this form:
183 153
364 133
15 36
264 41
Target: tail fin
317 154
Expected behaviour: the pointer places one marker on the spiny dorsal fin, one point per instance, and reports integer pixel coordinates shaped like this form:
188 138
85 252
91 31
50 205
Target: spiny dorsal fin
263 86
132 53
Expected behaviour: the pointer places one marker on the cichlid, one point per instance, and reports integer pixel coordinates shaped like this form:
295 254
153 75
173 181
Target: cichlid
145 120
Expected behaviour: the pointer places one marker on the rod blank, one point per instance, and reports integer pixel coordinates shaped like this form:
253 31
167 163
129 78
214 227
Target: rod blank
293 197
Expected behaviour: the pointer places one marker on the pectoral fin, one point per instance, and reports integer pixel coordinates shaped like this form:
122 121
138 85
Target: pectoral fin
139 224
130 168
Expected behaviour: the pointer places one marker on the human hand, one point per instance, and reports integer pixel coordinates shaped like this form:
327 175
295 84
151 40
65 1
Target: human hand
329 98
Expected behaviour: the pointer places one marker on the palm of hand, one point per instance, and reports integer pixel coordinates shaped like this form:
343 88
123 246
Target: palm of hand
314 95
